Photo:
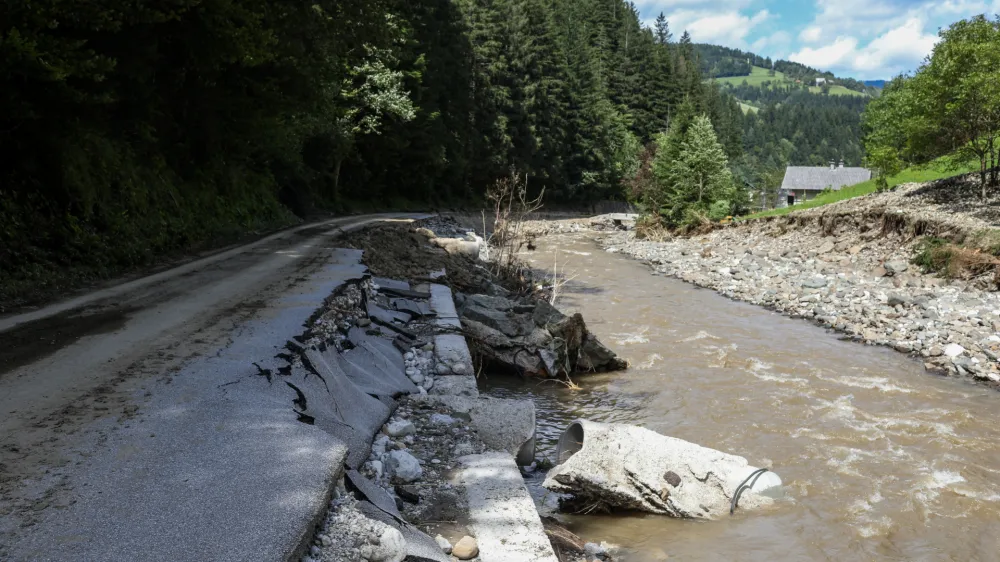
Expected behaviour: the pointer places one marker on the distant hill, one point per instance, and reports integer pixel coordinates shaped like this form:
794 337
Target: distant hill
876 83
723 62
760 77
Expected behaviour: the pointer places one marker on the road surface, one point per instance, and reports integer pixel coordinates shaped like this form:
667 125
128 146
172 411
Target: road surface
100 395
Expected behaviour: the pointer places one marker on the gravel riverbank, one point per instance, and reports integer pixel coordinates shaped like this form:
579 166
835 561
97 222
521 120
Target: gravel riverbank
866 289
839 284
847 267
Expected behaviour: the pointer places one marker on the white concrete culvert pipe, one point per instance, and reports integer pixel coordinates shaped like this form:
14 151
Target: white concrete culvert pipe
615 466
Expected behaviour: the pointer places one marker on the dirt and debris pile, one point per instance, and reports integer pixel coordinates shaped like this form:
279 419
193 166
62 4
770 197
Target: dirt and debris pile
406 251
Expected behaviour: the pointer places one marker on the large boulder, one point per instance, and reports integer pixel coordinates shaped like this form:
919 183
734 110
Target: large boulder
612 466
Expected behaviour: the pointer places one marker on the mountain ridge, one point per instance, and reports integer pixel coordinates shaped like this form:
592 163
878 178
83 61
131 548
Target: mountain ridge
716 61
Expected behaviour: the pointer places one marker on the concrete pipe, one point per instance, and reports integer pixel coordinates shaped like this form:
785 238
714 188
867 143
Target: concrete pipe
615 466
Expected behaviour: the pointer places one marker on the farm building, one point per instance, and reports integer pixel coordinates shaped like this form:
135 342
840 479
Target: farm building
803 183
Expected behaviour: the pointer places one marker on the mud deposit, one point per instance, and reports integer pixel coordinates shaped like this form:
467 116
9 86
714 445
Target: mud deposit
883 461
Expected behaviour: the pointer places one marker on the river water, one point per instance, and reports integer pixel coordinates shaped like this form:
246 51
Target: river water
881 460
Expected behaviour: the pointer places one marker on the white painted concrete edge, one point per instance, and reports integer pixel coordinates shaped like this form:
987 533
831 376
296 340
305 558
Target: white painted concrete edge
501 512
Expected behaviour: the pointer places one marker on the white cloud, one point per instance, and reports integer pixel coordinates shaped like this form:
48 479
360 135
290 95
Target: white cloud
898 49
836 54
960 7
861 38
811 34
777 42
856 18
726 28
904 46
667 6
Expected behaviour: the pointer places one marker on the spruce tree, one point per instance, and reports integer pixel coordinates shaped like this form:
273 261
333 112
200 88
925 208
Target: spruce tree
662 30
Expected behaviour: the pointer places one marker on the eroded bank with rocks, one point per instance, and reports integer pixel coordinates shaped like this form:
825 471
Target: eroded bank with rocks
849 267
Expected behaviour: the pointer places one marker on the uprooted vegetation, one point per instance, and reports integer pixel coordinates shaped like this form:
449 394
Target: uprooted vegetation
954 261
511 208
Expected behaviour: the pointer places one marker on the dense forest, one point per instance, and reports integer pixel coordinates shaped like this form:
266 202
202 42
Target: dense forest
133 131
806 129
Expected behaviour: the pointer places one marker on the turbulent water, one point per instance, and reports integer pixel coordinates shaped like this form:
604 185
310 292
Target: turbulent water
882 461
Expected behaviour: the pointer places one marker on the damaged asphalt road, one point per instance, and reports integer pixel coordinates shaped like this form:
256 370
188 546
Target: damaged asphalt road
102 395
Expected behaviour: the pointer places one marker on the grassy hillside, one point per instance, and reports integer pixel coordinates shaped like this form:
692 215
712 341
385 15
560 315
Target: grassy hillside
931 172
760 75
747 108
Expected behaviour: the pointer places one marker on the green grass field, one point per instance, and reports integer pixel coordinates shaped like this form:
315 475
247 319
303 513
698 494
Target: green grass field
760 75
934 171
757 77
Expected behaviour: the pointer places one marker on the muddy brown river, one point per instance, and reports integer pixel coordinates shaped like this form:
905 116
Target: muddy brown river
881 460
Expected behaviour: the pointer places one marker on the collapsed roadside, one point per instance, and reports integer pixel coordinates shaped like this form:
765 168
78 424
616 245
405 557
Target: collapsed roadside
446 462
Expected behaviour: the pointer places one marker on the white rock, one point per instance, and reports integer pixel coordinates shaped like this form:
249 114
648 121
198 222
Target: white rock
459 369
953 350
443 543
380 445
399 428
378 468
594 550
417 377
462 449
442 369
442 419
411 372
391 547
403 467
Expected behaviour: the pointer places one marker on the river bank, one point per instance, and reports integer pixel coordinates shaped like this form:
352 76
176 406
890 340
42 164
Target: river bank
847 267
881 460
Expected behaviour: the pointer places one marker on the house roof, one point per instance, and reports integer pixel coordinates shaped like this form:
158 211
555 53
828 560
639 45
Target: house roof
819 178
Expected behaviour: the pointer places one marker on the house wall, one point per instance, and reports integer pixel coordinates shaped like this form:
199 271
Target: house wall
800 196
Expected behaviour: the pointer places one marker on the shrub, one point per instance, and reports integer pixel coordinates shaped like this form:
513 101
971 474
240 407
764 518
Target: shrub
719 210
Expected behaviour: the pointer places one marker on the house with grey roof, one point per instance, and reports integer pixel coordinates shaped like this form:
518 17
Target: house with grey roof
803 183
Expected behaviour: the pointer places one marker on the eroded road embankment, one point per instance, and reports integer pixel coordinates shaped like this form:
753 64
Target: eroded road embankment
80 379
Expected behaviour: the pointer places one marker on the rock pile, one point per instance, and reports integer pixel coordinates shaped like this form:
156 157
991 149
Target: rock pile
414 455
347 534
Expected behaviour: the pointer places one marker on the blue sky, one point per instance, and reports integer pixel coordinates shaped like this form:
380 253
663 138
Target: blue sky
864 39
